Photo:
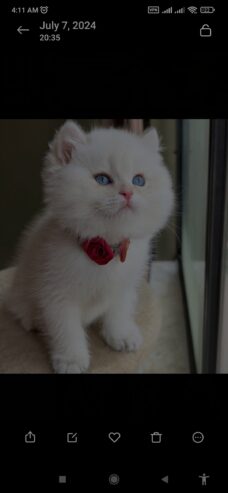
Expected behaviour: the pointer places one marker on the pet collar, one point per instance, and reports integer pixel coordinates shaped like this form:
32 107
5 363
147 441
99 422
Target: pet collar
101 252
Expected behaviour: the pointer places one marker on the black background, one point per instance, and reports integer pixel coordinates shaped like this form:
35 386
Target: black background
132 66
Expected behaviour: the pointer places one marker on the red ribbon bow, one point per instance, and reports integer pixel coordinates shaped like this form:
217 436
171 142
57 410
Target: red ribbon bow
101 252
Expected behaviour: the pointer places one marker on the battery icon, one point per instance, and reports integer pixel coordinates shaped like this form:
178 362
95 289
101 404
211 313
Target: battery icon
207 10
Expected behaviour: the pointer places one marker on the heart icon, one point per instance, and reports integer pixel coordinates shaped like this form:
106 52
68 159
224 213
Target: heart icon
114 436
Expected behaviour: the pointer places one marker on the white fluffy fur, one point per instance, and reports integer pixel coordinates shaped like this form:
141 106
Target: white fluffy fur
57 288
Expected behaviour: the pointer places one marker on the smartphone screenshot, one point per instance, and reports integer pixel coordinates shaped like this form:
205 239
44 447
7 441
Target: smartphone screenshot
113 246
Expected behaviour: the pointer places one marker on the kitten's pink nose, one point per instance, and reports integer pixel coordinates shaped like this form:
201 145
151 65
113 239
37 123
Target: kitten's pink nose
127 195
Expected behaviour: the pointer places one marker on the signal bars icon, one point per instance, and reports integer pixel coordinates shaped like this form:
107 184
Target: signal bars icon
180 11
168 11
192 10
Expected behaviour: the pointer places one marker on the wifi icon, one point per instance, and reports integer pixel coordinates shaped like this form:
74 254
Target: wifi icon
193 10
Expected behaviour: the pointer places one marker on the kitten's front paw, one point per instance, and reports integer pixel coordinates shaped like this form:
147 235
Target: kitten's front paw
129 340
62 364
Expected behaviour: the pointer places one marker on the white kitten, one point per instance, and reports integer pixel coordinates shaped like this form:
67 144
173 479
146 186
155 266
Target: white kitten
107 184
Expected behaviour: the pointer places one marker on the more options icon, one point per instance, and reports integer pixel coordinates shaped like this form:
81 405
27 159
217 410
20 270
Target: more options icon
198 437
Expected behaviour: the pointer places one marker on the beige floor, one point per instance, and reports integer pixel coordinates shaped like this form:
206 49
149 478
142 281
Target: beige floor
160 316
170 354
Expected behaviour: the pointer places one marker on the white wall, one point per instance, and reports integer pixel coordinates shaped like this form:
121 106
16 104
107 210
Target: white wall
195 180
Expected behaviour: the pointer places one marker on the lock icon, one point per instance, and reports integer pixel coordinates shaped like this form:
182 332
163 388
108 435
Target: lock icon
205 31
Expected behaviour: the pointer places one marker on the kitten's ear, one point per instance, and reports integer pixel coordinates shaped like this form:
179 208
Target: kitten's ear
151 139
66 141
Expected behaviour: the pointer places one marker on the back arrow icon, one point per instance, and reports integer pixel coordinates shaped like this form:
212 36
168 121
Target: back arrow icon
20 29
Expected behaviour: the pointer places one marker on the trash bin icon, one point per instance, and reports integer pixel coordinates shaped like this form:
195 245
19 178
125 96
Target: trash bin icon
156 437
205 31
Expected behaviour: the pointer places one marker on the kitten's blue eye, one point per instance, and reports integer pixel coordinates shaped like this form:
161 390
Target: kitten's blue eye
103 179
139 180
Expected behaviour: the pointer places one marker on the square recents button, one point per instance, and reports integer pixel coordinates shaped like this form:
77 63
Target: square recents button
62 479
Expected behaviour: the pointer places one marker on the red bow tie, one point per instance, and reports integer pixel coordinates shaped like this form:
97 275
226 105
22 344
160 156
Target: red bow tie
101 252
